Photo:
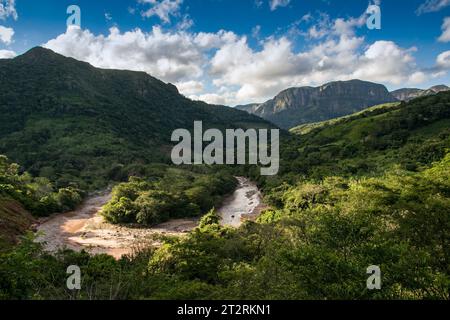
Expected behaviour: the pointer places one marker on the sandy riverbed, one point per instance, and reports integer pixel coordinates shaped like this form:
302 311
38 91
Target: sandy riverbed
86 229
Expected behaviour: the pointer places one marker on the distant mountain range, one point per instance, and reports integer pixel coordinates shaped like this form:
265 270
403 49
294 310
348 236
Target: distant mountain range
408 94
296 106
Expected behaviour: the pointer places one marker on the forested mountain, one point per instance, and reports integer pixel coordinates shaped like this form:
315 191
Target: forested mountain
296 106
75 124
408 94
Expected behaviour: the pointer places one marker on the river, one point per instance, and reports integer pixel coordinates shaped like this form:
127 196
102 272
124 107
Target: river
86 229
244 203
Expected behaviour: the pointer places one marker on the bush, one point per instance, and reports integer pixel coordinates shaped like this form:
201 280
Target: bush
122 211
68 198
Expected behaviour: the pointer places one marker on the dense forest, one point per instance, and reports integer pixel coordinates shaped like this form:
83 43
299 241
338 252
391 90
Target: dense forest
372 188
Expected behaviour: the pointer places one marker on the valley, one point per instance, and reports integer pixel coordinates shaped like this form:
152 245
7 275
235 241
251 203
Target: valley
358 185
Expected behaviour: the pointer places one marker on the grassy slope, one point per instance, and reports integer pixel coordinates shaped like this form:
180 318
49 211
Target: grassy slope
307 128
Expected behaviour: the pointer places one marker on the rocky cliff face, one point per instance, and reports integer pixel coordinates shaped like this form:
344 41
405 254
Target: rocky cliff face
297 106
408 94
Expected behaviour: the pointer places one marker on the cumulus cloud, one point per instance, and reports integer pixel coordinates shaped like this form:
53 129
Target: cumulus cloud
6 35
445 36
223 68
163 9
7 54
168 56
432 6
274 4
171 56
8 9
338 54
324 26
212 98
191 87
386 62
262 74
443 61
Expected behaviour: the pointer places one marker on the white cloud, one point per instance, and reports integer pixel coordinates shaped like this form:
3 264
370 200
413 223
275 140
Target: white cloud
274 4
324 26
386 62
8 9
340 55
443 61
6 34
256 30
170 56
211 98
347 27
162 9
7 54
445 36
191 87
432 6
223 68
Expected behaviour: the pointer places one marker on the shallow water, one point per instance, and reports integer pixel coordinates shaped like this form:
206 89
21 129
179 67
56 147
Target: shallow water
86 229
244 203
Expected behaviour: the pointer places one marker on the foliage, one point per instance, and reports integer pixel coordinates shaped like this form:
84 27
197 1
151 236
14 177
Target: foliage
38 195
168 194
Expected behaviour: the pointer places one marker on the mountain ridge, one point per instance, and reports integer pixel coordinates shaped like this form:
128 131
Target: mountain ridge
299 105
407 94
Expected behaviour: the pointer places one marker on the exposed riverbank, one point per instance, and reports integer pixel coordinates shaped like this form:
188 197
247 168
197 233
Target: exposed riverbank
86 229
244 204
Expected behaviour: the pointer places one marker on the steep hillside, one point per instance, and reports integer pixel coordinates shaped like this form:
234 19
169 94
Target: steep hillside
14 221
297 106
79 125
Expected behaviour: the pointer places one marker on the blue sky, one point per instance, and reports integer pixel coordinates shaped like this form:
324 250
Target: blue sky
242 51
